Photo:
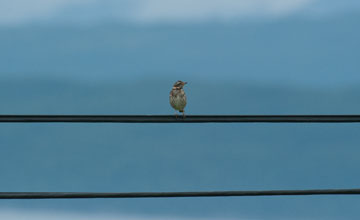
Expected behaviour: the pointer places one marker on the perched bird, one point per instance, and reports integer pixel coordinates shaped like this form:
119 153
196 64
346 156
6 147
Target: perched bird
178 97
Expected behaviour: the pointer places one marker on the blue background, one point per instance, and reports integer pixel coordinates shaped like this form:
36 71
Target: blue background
296 64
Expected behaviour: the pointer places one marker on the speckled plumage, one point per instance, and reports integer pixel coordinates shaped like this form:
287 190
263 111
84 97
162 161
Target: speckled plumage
178 97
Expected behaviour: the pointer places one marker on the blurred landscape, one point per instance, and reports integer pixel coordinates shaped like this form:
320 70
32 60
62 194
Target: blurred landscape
174 157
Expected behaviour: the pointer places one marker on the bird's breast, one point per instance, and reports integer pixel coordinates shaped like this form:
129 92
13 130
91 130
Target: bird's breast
178 99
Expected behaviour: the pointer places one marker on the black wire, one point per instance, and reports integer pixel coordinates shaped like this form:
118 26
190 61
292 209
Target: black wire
85 195
180 119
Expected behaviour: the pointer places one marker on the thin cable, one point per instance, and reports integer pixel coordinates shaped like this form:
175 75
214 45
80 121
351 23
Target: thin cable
179 119
84 195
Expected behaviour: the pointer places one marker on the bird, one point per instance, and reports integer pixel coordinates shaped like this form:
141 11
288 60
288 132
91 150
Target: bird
178 97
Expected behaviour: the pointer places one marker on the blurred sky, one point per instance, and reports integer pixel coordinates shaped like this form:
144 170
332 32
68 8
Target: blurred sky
300 41
259 48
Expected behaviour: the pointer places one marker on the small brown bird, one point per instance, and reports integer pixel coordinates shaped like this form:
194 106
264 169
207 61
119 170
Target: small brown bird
178 97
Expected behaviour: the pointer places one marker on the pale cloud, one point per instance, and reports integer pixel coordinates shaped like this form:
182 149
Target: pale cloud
156 11
198 10
22 11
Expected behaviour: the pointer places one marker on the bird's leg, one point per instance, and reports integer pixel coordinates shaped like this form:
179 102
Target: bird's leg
183 114
176 114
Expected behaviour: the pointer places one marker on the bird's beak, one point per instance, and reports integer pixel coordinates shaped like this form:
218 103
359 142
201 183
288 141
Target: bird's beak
185 83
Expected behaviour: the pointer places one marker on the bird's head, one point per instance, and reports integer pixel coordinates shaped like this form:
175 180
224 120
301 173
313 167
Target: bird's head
179 84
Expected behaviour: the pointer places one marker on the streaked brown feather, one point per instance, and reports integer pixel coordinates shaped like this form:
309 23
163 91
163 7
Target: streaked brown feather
178 99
